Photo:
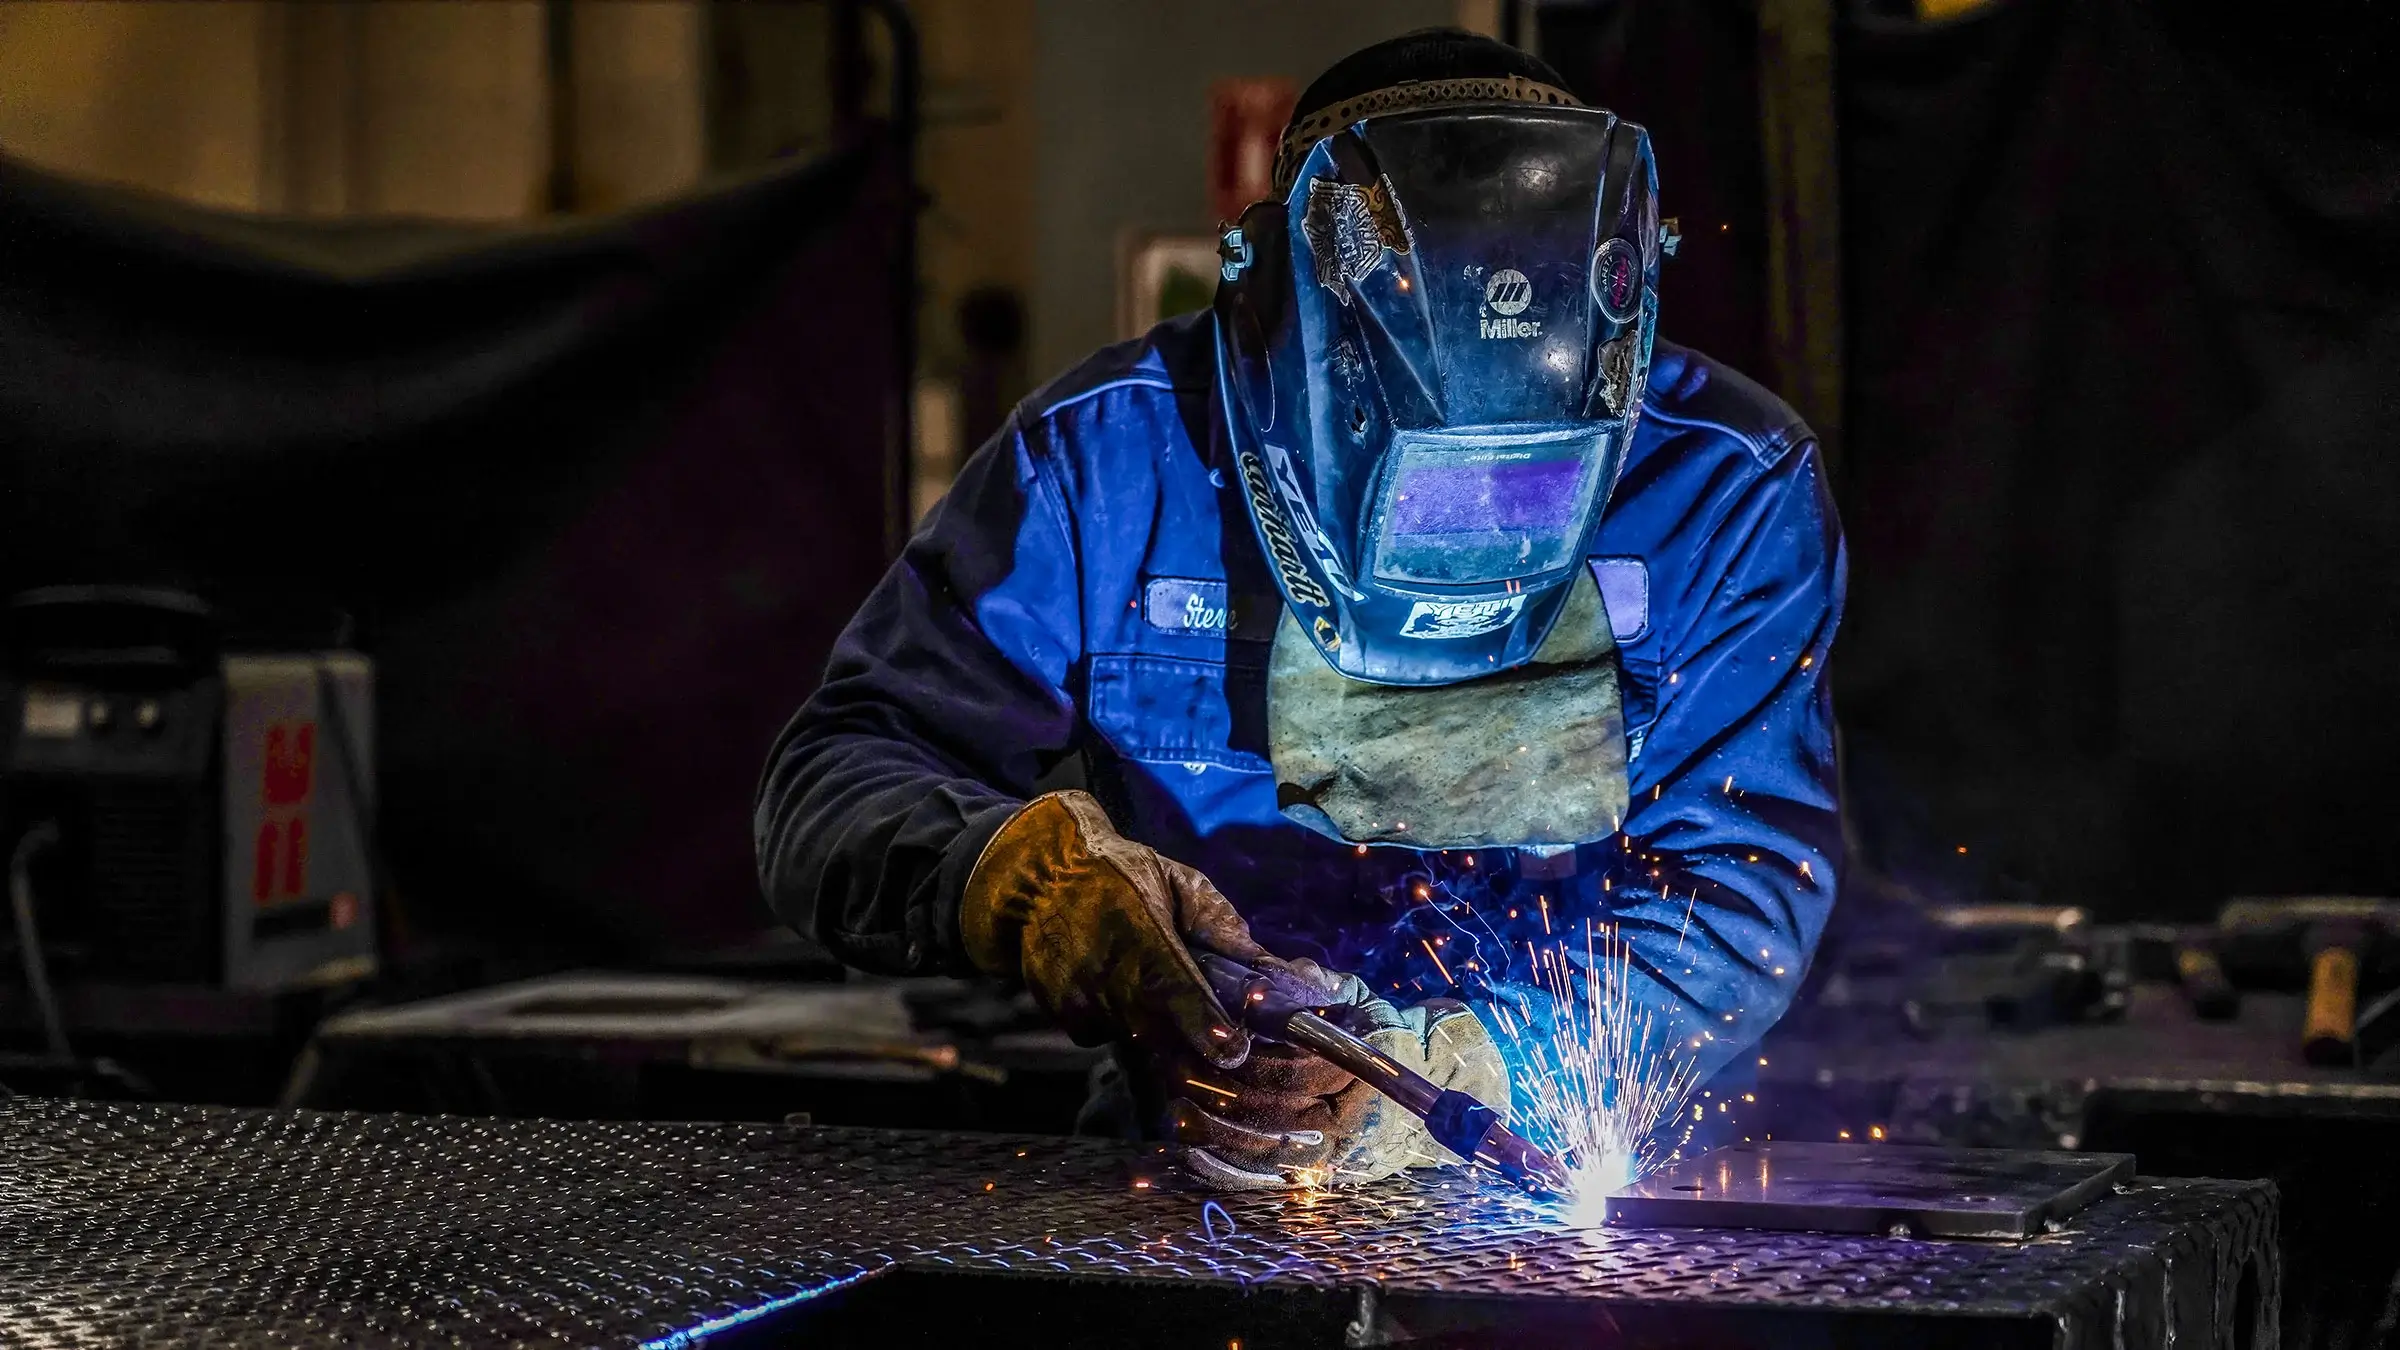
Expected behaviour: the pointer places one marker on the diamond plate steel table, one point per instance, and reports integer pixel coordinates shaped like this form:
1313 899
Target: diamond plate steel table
158 1226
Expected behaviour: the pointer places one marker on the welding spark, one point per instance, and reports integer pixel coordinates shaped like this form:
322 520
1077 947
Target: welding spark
1310 1180
1594 1087
1596 1081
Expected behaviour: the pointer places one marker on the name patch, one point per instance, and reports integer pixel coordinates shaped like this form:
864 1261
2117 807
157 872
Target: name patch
1186 605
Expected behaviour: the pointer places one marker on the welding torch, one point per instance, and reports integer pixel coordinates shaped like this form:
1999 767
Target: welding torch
1286 1008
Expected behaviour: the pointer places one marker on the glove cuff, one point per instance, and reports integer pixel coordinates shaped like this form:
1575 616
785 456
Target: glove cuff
1006 881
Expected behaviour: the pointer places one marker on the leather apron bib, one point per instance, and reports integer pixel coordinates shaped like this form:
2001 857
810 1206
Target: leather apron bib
1528 757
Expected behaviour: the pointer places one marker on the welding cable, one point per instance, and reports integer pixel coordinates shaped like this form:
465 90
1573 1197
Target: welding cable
29 936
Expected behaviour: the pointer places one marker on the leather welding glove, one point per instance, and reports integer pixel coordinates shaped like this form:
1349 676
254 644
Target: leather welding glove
1101 930
1288 1118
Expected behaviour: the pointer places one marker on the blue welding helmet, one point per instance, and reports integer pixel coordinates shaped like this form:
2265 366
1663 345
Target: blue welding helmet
1431 356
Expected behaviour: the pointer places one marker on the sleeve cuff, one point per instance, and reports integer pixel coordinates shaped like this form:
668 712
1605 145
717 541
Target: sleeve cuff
946 953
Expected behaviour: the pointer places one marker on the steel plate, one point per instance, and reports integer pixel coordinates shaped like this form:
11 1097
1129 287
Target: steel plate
1871 1188
154 1226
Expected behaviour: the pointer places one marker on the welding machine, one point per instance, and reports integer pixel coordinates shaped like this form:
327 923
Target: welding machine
174 813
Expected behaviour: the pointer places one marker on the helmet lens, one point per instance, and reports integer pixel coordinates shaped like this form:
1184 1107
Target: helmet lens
1465 508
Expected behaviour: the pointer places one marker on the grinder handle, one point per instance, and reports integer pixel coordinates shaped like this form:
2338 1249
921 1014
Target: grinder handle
2332 1007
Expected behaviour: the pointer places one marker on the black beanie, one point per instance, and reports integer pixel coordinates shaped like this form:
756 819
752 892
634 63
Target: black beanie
1426 54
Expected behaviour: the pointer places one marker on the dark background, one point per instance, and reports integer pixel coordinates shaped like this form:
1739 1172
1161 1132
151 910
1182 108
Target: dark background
596 499
2116 470
2120 355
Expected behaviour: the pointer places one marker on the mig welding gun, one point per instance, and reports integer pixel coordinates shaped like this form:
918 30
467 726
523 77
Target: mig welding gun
1282 1007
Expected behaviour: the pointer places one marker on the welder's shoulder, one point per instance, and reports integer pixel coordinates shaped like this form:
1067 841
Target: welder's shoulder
1699 407
1124 403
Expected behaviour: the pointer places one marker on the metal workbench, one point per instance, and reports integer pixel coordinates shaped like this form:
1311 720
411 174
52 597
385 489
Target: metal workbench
188 1226
2188 1098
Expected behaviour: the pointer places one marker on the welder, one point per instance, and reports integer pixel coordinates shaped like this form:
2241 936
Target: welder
1417 577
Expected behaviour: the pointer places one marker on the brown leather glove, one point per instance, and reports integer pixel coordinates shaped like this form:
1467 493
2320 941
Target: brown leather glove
1100 929
1286 1117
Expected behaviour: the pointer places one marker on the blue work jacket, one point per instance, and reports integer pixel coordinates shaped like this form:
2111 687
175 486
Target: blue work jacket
1091 591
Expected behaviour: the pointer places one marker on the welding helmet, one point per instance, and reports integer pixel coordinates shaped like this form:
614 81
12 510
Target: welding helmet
1432 347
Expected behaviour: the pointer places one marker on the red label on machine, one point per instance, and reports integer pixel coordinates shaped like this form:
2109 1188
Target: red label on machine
291 762
279 859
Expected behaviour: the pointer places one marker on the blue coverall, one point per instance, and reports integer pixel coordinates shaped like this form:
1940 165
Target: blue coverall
1071 595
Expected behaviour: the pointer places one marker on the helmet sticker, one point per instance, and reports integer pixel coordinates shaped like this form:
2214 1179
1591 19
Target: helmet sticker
1460 619
1345 363
1348 228
1279 463
1617 280
1297 583
1619 362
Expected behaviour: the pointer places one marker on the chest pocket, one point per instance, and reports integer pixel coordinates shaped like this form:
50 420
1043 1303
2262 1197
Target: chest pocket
1171 710
1625 590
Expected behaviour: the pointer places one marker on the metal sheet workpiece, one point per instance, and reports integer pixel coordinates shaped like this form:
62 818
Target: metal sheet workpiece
1902 1189
156 1226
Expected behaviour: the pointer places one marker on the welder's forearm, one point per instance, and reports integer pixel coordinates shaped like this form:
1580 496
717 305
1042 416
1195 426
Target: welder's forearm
1727 873
864 844
929 730
1727 934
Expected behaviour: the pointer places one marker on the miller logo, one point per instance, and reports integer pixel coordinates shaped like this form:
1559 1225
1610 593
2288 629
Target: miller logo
1508 294
1297 582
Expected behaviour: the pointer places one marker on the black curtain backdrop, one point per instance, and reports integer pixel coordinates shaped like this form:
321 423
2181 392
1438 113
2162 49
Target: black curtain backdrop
2120 483
1688 71
2119 479
597 498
